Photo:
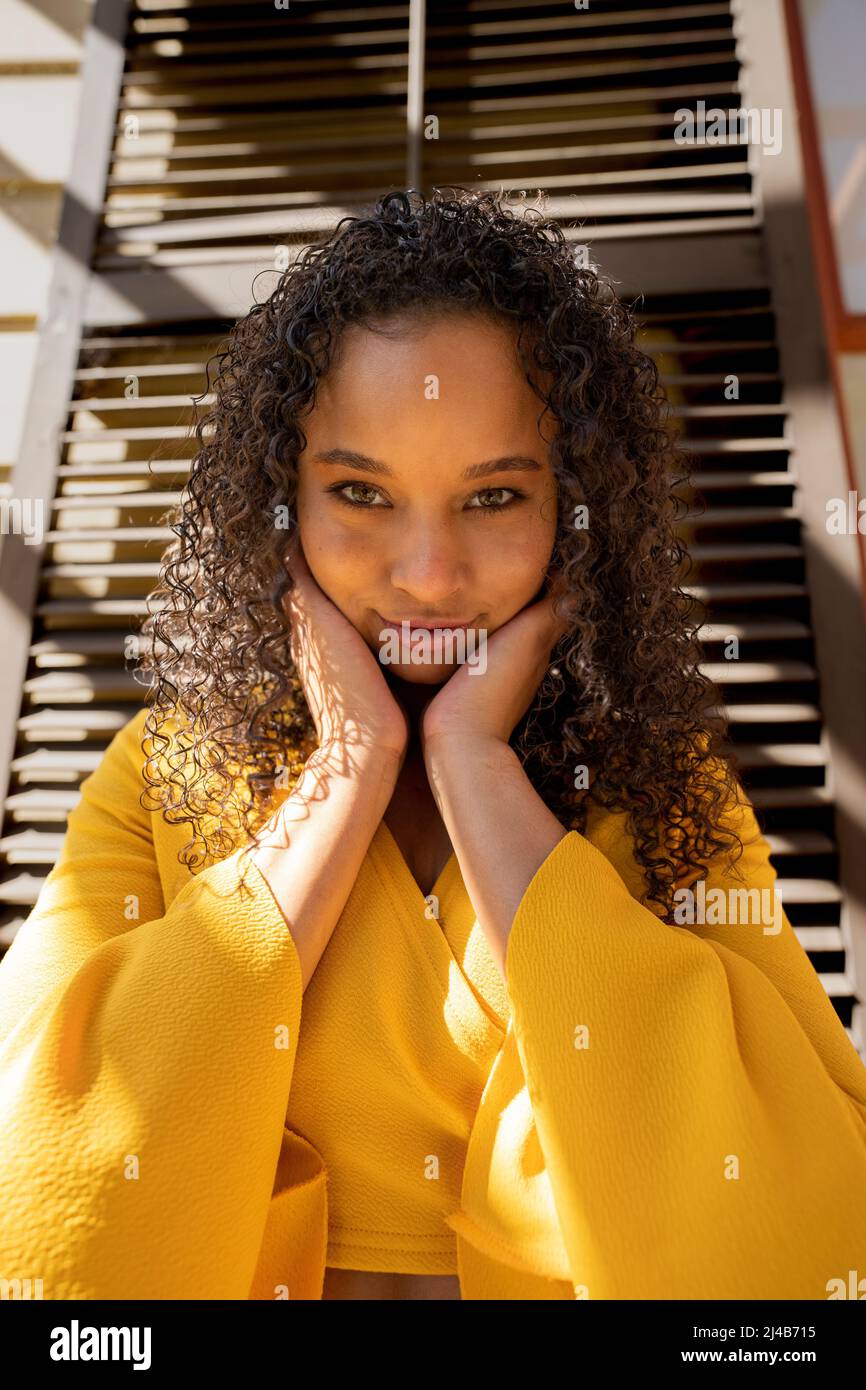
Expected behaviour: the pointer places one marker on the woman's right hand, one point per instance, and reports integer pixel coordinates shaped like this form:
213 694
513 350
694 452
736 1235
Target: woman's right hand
344 684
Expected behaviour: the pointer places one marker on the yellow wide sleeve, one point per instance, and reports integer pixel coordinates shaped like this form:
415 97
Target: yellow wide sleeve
146 1055
699 1105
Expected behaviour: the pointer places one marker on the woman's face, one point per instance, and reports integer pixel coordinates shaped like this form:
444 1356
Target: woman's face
432 436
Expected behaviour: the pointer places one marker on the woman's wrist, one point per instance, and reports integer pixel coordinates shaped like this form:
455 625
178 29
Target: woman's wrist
355 757
456 747
362 771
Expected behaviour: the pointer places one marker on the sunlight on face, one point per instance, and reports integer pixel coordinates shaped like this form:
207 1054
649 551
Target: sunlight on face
415 538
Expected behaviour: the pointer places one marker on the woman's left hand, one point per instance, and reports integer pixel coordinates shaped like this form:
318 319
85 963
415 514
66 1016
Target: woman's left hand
489 704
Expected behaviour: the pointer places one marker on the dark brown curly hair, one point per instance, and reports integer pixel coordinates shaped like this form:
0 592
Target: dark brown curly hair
624 696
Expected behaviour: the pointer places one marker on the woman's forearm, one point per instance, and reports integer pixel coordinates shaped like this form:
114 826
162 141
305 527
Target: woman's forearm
312 849
501 829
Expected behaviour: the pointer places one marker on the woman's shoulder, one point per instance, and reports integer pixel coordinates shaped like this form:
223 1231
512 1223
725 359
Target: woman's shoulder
611 829
163 734
177 770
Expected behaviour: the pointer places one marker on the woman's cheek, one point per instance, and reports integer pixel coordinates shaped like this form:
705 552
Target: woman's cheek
516 569
346 574
335 551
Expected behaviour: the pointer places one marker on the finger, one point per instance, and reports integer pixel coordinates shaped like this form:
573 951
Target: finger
550 626
552 576
303 590
559 620
294 600
294 558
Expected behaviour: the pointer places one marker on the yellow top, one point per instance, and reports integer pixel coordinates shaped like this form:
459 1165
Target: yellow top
643 1111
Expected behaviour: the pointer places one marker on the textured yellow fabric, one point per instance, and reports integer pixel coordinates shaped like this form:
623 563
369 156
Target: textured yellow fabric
644 1111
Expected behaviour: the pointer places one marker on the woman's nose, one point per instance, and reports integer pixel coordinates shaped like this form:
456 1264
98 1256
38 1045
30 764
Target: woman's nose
430 565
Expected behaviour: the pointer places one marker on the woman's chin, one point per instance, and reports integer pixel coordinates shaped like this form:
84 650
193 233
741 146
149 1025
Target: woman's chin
422 673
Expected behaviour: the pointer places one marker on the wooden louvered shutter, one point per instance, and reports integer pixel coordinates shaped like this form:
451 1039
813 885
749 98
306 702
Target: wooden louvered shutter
584 107
241 132
744 538
240 127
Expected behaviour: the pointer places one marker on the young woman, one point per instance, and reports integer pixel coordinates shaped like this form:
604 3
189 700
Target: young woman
472 980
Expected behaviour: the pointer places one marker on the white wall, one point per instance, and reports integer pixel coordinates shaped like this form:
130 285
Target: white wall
40 53
834 35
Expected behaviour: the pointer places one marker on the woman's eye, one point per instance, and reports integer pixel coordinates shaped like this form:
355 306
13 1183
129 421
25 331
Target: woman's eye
370 494
495 506
339 490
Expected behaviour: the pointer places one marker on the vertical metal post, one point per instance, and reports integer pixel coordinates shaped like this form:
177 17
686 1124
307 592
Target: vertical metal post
415 94
832 562
35 472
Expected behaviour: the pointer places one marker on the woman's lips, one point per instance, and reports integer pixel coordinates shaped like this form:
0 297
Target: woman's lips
425 625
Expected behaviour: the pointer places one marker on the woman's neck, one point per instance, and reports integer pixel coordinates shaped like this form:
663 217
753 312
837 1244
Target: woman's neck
413 698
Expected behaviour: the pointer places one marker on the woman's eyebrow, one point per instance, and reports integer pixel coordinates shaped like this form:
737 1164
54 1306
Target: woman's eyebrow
509 463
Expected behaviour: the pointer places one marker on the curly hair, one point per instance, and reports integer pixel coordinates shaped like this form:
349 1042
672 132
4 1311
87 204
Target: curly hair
624 699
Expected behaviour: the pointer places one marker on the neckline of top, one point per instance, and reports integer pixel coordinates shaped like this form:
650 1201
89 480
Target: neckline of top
442 880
